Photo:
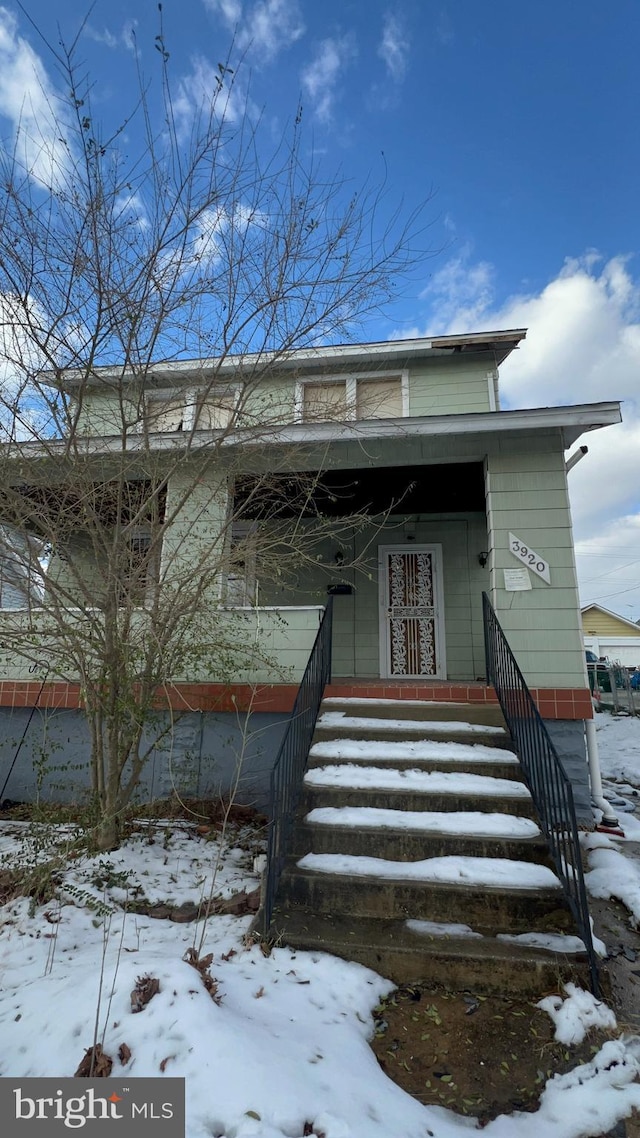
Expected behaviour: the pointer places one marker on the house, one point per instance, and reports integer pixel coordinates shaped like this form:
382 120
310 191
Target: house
610 635
453 497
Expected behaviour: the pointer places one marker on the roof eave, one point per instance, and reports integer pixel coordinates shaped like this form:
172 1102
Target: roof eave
497 344
571 422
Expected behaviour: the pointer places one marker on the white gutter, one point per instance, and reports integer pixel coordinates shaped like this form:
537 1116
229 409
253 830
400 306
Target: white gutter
572 421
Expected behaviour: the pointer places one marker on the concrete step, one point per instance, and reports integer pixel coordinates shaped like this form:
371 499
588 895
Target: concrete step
490 909
402 844
505 765
381 797
457 963
332 725
489 714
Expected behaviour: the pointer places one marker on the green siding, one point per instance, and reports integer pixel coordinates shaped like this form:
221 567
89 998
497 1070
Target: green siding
542 625
448 387
445 385
266 646
356 644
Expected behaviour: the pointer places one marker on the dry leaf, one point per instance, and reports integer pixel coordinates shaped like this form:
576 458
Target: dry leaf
202 966
146 988
124 1054
95 1065
259 993
164 1062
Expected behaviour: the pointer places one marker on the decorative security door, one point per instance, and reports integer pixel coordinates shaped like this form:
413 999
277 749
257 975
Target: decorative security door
412 644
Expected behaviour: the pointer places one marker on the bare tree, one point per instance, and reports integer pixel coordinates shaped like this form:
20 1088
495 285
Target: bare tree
207 252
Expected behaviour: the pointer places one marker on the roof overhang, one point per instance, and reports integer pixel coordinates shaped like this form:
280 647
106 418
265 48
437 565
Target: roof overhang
496 345
570 422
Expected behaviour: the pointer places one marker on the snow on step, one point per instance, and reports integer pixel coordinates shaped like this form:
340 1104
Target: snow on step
470 823
339 719
410 751
429 782
498 872
436 928
368 701
553 942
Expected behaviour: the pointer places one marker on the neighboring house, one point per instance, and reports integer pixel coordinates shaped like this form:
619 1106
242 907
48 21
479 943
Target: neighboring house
472 498
611 636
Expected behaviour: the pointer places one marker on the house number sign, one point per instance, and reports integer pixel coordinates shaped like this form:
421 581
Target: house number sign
529 557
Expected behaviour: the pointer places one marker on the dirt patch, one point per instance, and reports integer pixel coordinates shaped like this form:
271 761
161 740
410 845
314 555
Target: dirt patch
209 813
614 925
480 1056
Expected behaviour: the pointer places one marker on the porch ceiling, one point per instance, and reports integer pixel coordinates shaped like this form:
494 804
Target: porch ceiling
438 488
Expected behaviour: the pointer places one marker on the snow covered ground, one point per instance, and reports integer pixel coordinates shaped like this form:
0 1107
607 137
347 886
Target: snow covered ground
282 1050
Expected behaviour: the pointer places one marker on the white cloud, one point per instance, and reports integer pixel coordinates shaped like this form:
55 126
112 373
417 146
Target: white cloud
125 38
583 346
28 100
201 91
458 294
321 77
104 36
394 46
264 28
229 10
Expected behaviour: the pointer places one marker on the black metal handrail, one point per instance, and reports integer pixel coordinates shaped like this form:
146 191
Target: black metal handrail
544 774
291 762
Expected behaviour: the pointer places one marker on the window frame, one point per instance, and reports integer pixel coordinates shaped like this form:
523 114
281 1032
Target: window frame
191 399
350 381
246 532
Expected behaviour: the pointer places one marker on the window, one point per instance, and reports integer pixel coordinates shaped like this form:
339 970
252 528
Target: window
165 414
241 586
324 401
370 396
215 410
379 398
139 568
191 410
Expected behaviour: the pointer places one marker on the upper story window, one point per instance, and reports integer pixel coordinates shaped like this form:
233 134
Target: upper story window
374 395
215 410
191 410
165 414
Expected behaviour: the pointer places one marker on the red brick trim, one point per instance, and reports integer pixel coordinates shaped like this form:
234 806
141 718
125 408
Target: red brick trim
553 703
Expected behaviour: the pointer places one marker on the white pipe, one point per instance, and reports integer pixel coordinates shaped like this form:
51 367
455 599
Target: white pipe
608 816
491 385
575 457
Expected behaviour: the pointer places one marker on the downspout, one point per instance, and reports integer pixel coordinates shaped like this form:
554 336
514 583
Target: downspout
492 379
609 819
575 458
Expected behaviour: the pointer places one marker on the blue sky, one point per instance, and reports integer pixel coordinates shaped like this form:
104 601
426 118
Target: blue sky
519 121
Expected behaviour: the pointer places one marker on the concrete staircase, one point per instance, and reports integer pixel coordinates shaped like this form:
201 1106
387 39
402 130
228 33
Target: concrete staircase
417 852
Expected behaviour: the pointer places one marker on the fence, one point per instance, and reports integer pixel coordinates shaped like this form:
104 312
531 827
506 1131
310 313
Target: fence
614 687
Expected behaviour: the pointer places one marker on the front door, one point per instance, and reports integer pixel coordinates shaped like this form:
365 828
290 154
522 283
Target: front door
411 611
